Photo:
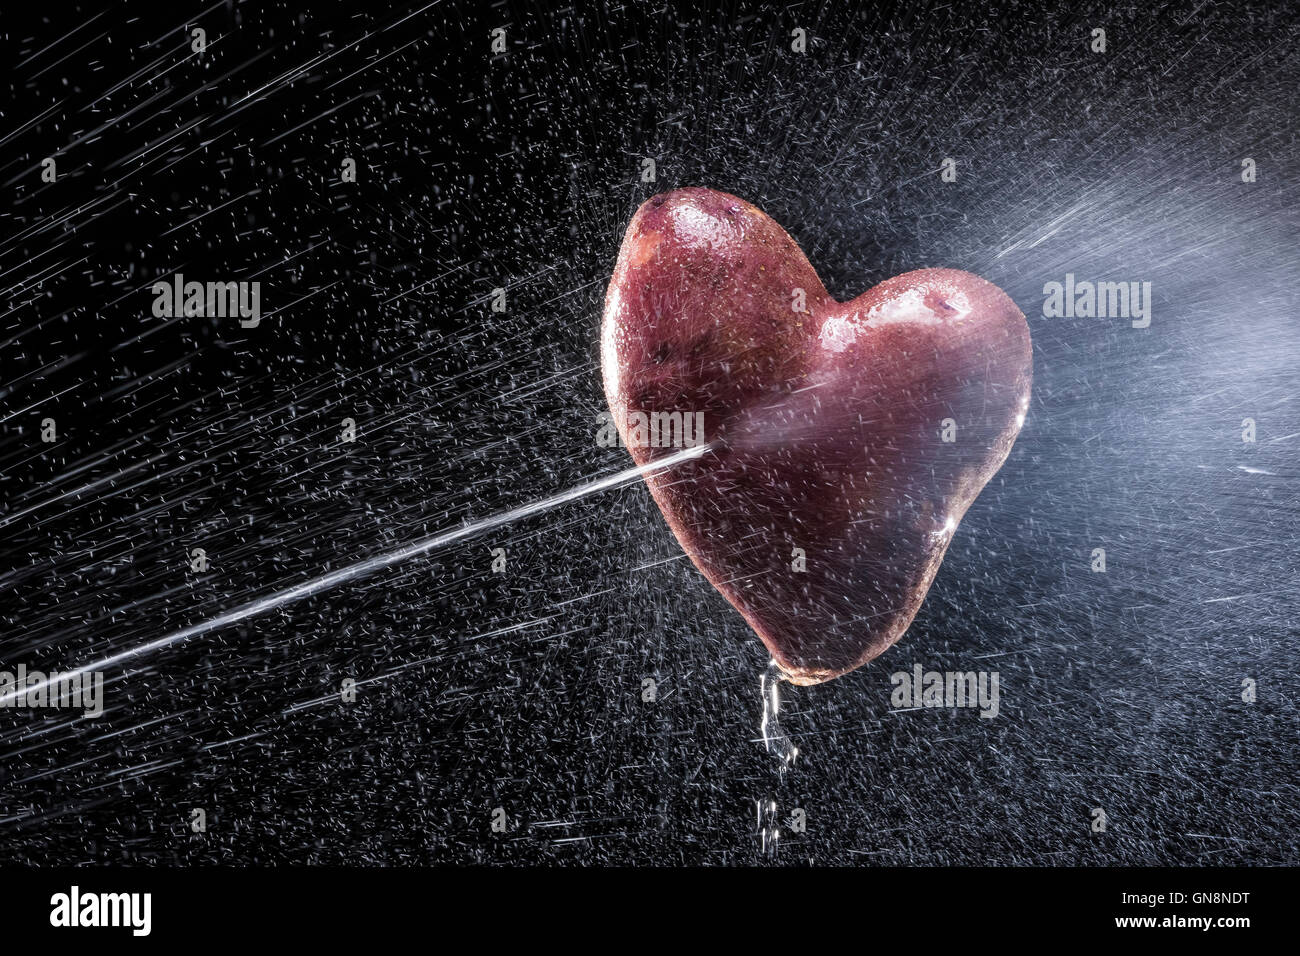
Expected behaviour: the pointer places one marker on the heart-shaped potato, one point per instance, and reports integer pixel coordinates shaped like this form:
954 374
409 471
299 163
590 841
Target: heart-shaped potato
846 440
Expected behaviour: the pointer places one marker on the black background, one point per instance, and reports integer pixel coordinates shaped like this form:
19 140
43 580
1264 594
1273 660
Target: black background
523 690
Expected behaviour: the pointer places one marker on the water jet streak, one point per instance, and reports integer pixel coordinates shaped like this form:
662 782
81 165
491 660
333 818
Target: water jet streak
370 565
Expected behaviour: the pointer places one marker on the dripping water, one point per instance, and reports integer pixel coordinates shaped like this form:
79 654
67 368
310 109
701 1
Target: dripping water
784 752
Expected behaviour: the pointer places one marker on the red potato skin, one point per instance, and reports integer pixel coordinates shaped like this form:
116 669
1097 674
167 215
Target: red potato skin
825 425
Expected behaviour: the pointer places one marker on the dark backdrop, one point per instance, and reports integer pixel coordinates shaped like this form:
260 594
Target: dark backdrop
522 690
